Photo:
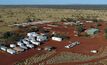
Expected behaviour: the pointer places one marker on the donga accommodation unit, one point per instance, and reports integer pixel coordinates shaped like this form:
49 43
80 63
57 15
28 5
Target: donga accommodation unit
57 38
11 51
92 31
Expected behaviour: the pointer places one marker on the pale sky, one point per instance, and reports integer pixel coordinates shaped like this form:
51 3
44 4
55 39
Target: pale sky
52 2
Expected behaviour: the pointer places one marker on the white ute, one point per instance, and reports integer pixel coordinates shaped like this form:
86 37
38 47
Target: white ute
72 44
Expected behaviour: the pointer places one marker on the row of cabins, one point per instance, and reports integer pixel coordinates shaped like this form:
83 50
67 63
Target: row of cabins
33 39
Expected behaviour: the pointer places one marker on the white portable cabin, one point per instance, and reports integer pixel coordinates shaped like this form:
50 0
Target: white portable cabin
32 38
27 39
11 51
35 42
93 51
32 34
3 48
19 43
30 45
12 45
25 42
24 47
57 39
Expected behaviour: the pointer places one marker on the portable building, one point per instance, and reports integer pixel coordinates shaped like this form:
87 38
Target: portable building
30 45
19 43
25 42
92 31
12 45
11 51
32 34
35 42
57 38
4 48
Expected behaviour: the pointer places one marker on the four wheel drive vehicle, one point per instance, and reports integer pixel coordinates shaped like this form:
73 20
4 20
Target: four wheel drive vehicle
72 44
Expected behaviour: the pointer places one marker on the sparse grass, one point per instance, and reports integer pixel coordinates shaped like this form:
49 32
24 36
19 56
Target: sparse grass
104 62
64 57
35 59
19 15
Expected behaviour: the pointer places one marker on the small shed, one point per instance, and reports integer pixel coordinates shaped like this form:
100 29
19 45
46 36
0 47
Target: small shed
92 31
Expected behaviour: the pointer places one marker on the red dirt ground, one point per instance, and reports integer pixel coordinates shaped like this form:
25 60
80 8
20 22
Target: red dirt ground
86 44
